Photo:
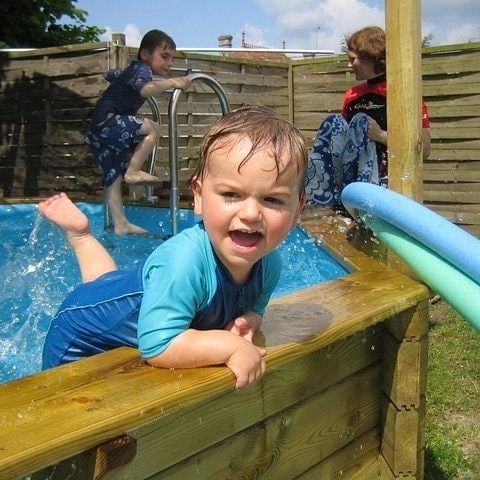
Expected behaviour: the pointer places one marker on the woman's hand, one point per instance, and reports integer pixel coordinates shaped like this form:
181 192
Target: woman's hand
375 133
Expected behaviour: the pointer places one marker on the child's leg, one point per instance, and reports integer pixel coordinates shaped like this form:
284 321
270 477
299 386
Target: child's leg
150 132
92 257
121 225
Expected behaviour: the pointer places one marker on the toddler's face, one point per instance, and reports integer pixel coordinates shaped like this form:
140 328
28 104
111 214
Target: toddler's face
247 213
160 60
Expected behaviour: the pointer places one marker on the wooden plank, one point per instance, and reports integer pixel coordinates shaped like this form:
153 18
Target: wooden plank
320 103
286 444
452 192
452 172
451 89
359 460
454 64
79 65
454 132
443 154
57 50
444 144
452 111
459 214
444 49
411 324
456 78
460 122
401 439
405 371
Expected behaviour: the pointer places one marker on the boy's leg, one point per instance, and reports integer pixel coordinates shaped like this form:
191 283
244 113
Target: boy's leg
121 225
93 259
150 132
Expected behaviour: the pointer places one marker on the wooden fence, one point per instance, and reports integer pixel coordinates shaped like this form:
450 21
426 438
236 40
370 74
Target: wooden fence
47 97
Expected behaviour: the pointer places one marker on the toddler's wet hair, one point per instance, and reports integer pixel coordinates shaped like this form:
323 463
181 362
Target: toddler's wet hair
265 129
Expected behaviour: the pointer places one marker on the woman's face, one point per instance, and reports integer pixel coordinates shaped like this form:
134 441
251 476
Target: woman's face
364 69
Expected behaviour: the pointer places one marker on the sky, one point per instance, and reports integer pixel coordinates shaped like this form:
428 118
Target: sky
301 24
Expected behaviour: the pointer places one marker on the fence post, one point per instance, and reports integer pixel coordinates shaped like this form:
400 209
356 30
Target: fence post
404 87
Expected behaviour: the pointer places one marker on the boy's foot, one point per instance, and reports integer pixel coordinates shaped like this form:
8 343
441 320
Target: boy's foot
139 178
61 211
128 228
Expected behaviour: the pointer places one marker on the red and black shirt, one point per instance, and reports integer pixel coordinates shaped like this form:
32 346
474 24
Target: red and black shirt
370 98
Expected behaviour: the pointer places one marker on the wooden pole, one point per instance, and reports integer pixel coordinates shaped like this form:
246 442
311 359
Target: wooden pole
404 86
119 56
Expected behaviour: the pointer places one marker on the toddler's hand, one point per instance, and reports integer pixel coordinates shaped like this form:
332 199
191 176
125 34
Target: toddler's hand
247 364
181 82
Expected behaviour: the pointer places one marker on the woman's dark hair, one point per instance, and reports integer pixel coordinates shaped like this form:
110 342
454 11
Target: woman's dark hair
153 39
369 44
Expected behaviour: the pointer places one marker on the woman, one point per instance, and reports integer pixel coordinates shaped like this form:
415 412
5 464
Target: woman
353 146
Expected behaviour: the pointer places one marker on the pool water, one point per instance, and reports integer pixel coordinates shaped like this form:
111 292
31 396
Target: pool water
38 269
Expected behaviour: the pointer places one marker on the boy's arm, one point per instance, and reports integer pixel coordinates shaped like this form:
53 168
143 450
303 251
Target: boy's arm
198 348
155 87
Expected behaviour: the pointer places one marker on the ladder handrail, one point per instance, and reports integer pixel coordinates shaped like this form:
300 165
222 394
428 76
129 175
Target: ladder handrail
173 137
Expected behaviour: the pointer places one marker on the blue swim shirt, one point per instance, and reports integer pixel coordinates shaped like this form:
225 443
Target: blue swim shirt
186 286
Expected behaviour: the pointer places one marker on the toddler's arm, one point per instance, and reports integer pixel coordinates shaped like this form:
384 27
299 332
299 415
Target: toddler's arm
199 348
155 87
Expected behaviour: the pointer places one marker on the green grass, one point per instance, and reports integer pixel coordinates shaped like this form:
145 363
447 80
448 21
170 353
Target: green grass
453 398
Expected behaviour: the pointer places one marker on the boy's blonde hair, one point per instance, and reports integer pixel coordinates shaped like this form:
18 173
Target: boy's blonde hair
263 128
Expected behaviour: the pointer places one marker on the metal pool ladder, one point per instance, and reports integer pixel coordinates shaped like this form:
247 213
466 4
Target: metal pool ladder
173 145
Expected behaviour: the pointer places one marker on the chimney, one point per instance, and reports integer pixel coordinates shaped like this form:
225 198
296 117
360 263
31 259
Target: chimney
225 41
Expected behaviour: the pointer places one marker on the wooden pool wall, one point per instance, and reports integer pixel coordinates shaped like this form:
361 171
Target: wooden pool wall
343 397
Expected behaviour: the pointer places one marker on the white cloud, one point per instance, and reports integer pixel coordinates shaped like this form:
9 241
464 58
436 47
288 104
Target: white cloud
133 36
323 25
254 35
449 21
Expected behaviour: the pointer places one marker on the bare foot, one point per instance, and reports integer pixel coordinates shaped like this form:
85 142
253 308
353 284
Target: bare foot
127 228
60 210
139 177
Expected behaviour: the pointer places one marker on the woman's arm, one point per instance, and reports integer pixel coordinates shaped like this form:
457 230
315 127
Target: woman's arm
376 134
426 142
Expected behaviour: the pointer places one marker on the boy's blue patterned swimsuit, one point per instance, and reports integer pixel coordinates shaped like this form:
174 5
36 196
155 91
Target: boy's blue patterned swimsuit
114 129
181 285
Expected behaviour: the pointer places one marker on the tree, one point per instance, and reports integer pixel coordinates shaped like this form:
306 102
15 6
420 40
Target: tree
39 23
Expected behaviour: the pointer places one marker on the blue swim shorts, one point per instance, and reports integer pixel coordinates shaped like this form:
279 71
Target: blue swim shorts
95 317
111 143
